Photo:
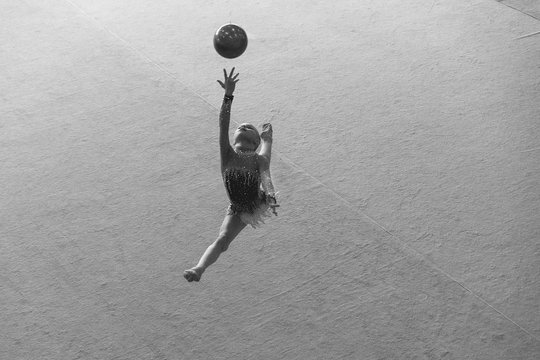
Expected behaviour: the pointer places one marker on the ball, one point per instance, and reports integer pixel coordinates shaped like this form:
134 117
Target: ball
230 41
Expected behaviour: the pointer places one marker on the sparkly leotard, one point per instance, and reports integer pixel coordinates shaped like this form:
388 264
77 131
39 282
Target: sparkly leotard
244 189
247 199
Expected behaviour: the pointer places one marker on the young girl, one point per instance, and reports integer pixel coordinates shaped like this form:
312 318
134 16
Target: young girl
246 175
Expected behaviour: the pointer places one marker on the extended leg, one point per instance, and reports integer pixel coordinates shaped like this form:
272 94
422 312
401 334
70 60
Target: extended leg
231 227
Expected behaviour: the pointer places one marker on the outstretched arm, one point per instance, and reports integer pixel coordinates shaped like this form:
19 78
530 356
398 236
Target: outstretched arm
229 85
224 120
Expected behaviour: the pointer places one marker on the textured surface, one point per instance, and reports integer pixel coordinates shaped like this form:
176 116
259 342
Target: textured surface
406 156
529 7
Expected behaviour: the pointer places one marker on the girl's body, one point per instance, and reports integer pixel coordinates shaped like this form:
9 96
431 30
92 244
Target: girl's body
246 176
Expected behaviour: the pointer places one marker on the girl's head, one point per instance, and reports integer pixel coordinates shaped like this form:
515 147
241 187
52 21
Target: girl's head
247 135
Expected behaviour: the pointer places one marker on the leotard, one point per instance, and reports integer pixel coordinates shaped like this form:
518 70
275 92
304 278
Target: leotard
247 199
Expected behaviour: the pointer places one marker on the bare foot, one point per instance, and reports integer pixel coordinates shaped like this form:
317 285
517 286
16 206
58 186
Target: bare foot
193 274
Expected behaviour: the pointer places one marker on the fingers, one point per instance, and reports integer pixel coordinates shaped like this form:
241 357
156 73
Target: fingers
230 76
235 77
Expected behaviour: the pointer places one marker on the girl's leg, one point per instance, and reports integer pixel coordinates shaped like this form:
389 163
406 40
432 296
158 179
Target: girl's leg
231 227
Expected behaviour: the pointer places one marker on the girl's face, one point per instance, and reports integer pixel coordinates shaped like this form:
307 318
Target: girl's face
247 132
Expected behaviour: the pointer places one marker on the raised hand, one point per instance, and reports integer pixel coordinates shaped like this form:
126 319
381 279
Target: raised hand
230 82
267 132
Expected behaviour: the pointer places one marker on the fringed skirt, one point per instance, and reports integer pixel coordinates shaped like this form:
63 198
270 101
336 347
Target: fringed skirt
254 214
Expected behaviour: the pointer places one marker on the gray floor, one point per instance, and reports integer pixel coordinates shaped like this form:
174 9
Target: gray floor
406 155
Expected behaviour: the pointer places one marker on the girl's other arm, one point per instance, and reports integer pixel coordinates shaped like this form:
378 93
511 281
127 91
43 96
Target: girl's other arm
266 145
264 167
266 182
266 178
